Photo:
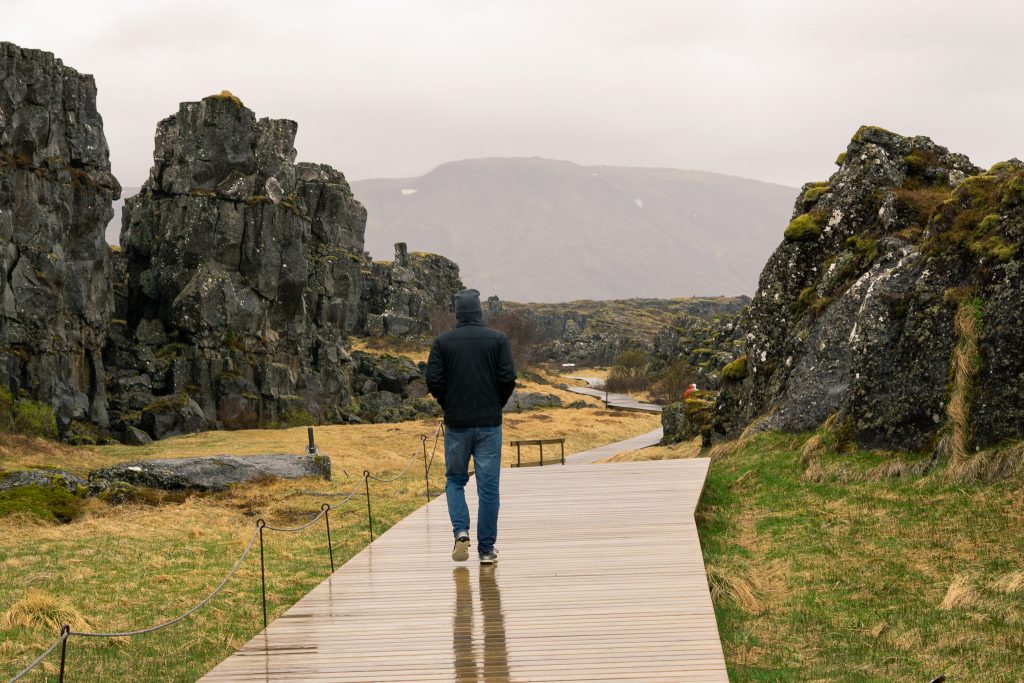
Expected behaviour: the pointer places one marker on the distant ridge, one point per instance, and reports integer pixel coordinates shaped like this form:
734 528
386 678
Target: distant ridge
533 229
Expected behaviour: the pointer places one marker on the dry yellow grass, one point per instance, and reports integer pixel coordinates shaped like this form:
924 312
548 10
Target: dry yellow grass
1009 583
727 448
988 466
41 610
128 566
813 448
963 367
686 449
959 594
417 353
753 589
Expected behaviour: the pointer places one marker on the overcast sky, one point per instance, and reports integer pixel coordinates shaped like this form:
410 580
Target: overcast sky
386 88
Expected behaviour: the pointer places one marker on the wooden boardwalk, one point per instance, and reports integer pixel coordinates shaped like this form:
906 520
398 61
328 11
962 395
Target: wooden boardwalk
600 578
614 400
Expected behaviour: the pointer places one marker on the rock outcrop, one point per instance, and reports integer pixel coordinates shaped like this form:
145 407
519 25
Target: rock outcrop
41 477
521 401
208 474
401 298
241 275
895 303
595 332
56 191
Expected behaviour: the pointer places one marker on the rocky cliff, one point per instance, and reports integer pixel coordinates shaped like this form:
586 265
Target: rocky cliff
242 274
894 303
55 200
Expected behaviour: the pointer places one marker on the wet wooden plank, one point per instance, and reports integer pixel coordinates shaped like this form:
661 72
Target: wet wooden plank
600 578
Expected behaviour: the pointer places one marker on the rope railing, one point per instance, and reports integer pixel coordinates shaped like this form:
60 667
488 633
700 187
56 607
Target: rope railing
64 633
261 526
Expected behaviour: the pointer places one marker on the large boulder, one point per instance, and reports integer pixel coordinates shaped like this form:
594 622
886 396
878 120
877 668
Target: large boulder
209 474
40 477
906 253
173 416
56 192
241 275
531 400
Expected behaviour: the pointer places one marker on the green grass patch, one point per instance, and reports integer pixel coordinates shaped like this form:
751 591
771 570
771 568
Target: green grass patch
49 503
854 568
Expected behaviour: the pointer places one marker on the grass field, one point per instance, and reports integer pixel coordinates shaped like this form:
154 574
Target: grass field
831 572
128 566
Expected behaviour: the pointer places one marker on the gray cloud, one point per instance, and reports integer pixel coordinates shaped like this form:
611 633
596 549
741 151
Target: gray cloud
769 90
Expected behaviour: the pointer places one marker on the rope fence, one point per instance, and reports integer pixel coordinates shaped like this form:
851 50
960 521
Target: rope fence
261 526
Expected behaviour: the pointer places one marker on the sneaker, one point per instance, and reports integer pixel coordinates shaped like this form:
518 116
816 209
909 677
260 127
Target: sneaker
489 557
461 551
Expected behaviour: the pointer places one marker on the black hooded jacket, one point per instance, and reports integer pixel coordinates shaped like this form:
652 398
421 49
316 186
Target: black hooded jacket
471 374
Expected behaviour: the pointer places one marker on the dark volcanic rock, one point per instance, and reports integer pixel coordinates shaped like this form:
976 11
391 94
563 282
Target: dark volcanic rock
401 298
855 310
528 400
173 416
209 474
56 191
39 477
241 274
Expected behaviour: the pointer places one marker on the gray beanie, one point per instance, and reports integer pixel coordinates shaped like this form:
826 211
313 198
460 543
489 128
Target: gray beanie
467 302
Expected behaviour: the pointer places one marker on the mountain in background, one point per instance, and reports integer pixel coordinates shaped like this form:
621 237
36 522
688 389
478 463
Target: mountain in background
532 229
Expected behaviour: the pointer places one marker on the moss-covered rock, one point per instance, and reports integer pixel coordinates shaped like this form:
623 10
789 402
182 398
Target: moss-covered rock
736 371
804 228
52 503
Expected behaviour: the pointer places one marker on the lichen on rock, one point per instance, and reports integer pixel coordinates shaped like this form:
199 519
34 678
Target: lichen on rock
858 321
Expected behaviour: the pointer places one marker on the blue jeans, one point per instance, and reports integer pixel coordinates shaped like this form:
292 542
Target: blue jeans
484 445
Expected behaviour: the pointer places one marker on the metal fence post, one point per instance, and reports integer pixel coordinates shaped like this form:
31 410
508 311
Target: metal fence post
260 523
65 632
426 469
326 507
369 513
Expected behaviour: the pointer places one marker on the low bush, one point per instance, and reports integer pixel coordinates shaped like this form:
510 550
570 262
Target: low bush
24 416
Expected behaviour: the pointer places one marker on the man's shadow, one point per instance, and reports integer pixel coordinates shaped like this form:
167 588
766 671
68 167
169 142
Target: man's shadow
492 662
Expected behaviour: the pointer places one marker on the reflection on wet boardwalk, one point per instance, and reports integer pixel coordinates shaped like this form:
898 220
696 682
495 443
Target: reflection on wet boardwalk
600 578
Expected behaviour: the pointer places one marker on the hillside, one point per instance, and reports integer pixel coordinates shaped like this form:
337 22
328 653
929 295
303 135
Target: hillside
542 230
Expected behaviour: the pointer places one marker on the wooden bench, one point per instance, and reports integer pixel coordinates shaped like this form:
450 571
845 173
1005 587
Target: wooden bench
536 442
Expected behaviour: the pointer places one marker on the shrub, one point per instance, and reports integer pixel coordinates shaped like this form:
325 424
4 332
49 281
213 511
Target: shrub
297 417
736 370
804 228
522 332
24 416
673 381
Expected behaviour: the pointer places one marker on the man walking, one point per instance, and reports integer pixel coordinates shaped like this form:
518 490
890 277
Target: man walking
471 374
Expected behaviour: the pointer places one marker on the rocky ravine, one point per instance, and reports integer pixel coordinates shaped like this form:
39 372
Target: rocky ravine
906 260
242 273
